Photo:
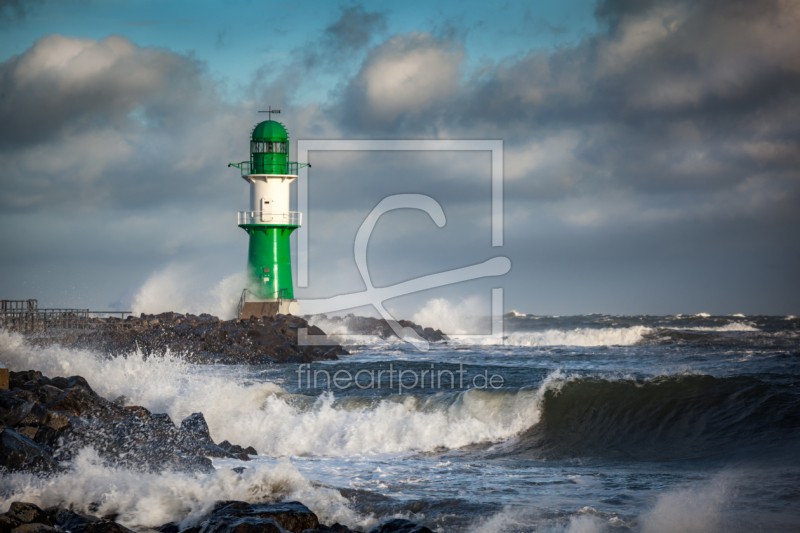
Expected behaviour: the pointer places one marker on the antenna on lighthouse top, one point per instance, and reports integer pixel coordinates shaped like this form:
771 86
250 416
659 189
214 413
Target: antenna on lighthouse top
270 111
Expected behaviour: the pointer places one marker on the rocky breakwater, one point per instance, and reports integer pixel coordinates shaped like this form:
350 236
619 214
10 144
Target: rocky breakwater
204 339
45 422
227 517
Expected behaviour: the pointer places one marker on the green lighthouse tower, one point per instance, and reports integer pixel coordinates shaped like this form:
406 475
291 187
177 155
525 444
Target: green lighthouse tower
269 222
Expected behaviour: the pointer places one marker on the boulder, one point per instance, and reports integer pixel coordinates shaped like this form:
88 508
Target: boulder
195 423
400 525
34 528
26 414
7 524
293 516
104 526
248 524
28 513
72 382
18 452
67 520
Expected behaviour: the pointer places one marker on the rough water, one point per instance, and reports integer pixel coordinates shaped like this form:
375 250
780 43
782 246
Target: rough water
579 424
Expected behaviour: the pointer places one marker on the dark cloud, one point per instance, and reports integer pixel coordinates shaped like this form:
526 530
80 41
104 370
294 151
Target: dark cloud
16 10
351 32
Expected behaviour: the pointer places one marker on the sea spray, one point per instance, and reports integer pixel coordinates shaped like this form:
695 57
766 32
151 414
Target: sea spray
148 500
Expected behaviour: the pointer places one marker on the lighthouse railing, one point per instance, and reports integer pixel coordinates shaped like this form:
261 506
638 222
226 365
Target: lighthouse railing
292 218
246 167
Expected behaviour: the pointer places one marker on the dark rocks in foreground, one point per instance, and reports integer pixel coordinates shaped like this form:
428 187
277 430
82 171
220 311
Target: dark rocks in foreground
204 339
46 421
227 517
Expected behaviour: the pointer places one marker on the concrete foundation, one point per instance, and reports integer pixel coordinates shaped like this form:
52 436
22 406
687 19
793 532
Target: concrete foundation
269 308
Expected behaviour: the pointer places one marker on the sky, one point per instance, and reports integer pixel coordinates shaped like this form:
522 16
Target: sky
651 150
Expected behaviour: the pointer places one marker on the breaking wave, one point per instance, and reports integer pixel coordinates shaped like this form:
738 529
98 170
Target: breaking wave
664 418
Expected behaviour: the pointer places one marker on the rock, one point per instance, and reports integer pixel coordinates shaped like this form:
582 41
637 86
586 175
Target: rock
250 451
7 524
18 452
28 513
293 516
196 423
26 414
105 526
45 435
28 431
34 528
250 524
400 525
17 379
67 520
59 422
339 528
72 382
71 401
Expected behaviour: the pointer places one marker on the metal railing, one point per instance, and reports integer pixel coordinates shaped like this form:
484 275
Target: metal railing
292 218
44 320
18 305
24 316
292 167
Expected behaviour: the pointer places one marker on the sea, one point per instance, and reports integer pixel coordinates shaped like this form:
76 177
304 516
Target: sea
573 424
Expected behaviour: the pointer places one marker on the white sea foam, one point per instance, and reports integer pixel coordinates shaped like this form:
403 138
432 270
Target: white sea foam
263 415
733 326
144 500
452 318
702 315
175 289
569 337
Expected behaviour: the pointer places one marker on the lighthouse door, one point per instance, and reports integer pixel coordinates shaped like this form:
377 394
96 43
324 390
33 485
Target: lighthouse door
267 205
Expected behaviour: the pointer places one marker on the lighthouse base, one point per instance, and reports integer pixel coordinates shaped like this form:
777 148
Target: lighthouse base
268 308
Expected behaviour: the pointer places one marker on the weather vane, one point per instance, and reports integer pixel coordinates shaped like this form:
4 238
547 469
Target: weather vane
270 111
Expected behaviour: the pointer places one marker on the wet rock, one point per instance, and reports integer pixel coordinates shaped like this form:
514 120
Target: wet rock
45 435
400 525
28 513
34 528
196 423
232 524
73 402
18 379
104 526
26 414
72 382
7 524
18 452
292 516
68 520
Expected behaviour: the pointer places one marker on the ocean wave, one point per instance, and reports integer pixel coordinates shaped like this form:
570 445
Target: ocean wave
580 337
668 417
276 423
664 417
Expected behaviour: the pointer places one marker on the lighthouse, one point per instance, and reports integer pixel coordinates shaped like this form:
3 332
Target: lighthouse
269 222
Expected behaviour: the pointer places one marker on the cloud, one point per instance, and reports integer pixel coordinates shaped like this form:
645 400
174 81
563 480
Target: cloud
16 10
108 124
405 76
670 132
